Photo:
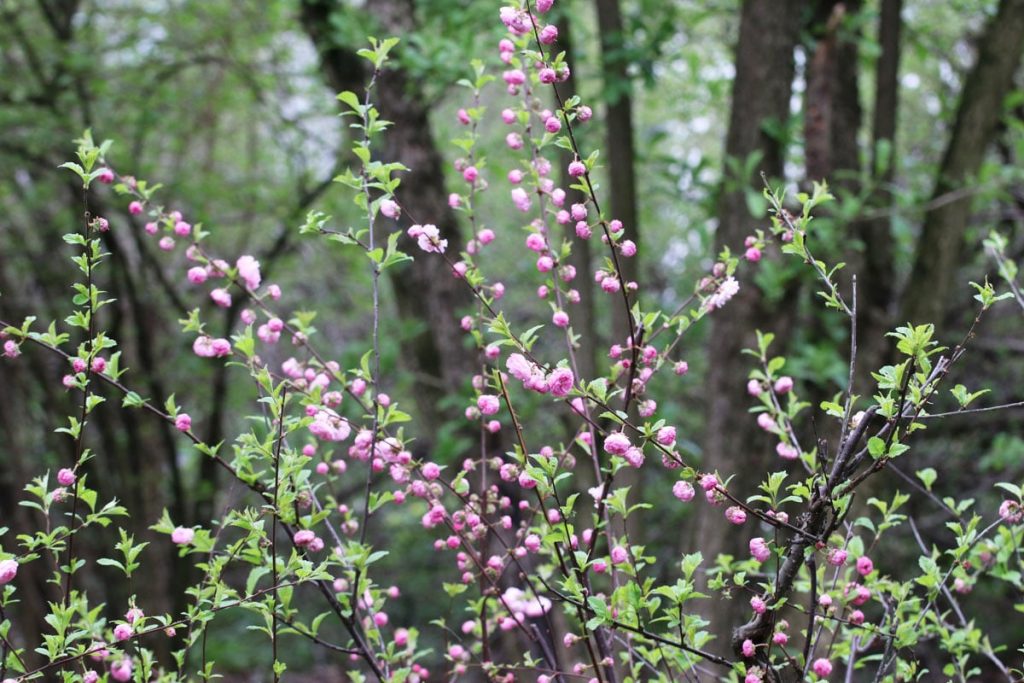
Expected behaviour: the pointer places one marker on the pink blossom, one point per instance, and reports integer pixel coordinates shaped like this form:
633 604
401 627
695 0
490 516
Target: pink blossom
390 208
783 385
197 275
766 422
726 291
532 543
8 570
560 319
122 632
666 436
787 451
514 77
205 347
544 5
182 228
135 208
182 535
517 21
431 471
521 199
221 297
634 456
560 382
11 349
519 601
683 490
122 670
627 248
304 537
856 617
66 477
736 515
428 238
822 667
166 243
183 422
577 169
758 605
488 404
519 367
864 565
249 271
1011 512
759 549
617 443
748 648
619 555
754 387
753 254
861 594
836 557
105 176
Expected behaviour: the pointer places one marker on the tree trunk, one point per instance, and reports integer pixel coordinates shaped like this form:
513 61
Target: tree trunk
425 289
619 145
584 321
874 265
945 223
832 105
733 445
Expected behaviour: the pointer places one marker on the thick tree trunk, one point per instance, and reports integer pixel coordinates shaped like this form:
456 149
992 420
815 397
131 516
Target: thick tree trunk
584 321
621 152
933 277
874 265
425 289
832 104
733 444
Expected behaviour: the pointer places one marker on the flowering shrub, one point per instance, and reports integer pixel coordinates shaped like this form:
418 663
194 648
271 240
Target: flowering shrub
538 557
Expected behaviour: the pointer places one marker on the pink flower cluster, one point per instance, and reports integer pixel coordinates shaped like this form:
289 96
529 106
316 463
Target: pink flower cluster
559 382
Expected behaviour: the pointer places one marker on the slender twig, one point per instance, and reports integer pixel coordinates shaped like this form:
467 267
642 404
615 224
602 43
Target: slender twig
86 392
273 524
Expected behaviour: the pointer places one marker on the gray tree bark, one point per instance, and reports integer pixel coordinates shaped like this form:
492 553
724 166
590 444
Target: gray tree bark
981 106
733 445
